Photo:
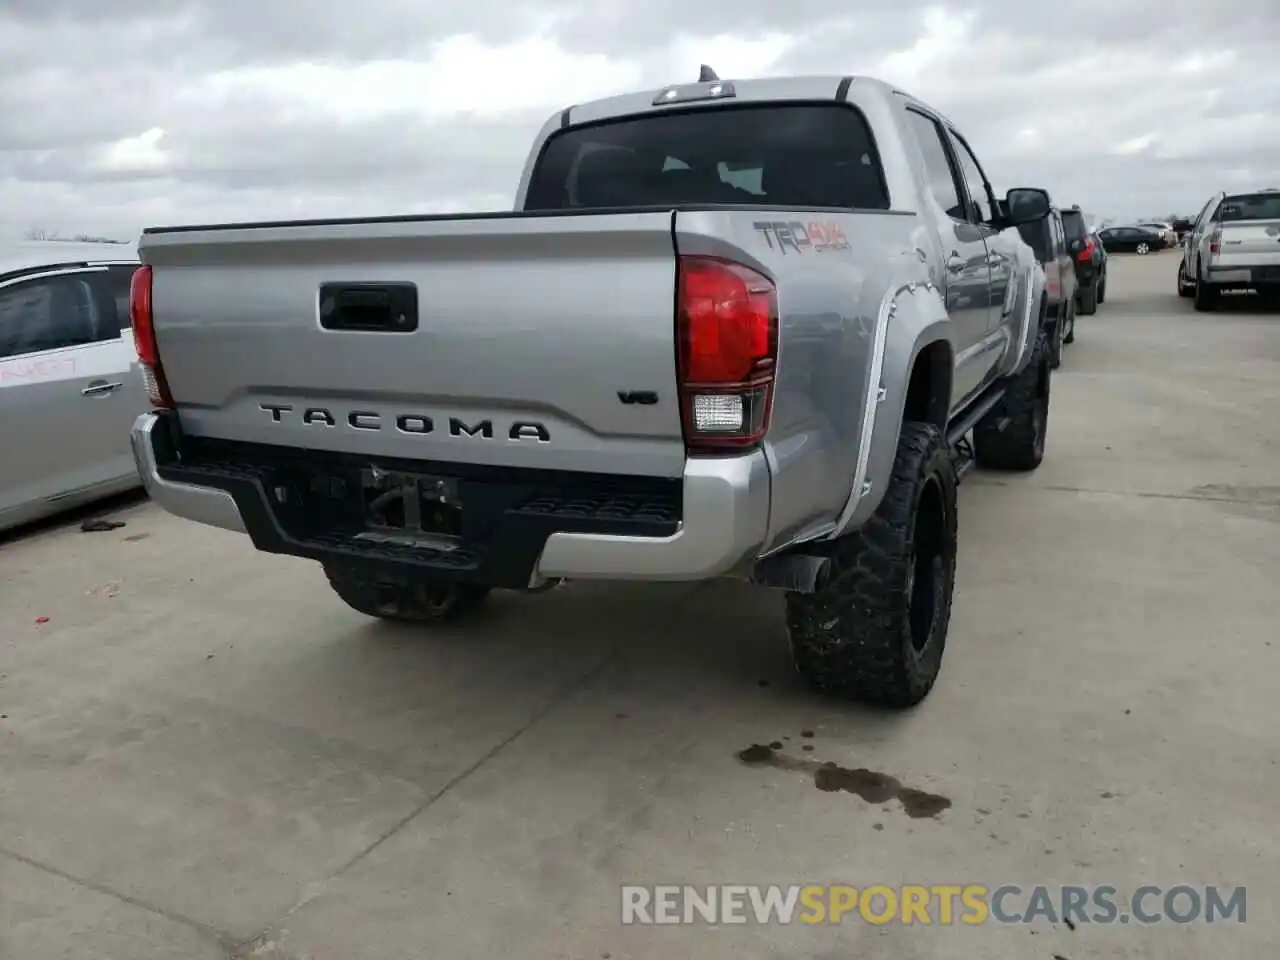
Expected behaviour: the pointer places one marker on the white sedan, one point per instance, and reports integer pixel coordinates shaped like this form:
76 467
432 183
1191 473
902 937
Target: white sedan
69 383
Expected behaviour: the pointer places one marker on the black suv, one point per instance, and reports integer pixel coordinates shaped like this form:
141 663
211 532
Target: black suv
1047 237
1090 260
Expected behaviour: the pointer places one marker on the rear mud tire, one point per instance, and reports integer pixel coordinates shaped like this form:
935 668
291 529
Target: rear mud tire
1070 335
1024 414
1206 297
422 602
875 629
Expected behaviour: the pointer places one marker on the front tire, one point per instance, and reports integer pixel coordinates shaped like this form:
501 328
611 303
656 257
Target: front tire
422 602
1012 436
1184 287
875 628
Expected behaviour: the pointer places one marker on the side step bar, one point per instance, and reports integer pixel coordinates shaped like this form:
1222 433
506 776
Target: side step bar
958 432
958 429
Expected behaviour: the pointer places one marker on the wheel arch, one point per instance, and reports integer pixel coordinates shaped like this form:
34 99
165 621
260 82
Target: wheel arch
913 379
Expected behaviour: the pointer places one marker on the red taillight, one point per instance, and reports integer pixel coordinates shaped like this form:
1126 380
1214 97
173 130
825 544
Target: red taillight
1086 252
1215 241
144 338
727 336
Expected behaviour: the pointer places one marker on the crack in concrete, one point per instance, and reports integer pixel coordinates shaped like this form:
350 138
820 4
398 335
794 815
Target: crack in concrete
1141 494
221 938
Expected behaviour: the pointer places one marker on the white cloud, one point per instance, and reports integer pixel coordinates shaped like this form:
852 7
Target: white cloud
227 111
140 154
463 76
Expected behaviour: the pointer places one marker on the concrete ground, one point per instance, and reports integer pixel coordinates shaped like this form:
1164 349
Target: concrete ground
203 753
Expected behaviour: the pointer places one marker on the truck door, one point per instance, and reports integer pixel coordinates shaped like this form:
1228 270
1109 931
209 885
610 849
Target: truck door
1001 256
966 271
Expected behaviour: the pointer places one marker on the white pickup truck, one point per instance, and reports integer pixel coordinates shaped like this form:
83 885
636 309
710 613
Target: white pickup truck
732 329
1234 245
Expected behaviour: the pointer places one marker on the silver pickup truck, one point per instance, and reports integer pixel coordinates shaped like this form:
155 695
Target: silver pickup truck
732 329
1233 245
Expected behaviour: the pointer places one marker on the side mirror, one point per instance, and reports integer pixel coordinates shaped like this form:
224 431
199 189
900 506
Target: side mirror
1026 205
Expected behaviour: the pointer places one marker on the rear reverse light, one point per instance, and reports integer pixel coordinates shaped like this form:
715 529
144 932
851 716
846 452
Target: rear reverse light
144 338
727 336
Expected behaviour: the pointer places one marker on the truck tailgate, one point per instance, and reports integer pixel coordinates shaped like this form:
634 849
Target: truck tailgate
1250 243
528 330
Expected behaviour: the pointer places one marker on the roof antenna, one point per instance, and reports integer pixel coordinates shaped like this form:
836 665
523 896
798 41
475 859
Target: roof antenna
707 75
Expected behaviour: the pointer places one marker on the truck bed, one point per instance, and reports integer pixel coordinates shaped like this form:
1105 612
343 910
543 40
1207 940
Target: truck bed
526 330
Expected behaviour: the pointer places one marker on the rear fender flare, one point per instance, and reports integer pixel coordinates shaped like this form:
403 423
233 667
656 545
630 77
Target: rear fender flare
912 317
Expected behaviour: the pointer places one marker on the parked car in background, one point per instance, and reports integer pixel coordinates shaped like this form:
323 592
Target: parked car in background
1235 245
1090 262
1165 230
70 387
1131 240
1101 252
1182 226
1047 237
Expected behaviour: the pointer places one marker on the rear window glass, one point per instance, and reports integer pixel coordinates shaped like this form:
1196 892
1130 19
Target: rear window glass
1073 225
1257 206
777 155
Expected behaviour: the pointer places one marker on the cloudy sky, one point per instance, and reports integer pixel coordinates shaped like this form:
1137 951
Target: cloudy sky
114 116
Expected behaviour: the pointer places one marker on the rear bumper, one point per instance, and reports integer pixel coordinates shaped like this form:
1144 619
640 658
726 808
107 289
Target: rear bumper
1243 274
713 522
152 443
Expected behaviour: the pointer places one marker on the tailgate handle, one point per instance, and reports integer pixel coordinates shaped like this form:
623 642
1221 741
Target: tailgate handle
369 307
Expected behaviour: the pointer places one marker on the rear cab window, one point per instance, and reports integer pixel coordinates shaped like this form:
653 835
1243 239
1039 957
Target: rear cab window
1251 206
772 154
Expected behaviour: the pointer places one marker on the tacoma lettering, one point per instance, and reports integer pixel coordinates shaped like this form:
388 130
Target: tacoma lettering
411 423
529 431
417 424
318 415
482 429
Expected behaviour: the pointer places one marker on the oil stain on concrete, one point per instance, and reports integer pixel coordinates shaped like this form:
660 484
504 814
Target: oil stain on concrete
873 787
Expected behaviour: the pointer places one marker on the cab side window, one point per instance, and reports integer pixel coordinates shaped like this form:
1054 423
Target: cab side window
48 313
974 180
943 182
1200 218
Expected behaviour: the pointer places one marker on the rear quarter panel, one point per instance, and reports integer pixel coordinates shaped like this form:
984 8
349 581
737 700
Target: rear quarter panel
838 275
